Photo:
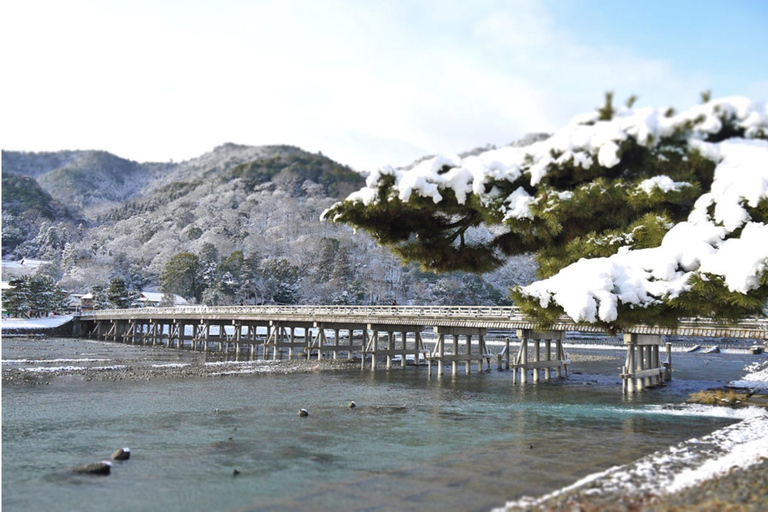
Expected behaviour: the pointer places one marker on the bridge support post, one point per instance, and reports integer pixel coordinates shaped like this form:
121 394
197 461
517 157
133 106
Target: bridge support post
405 349
375 343
182 334
559 362
643 367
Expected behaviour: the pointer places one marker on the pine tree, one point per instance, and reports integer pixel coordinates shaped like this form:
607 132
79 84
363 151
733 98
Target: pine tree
329 247
34 296
118 294
182 275
100 298
281 281
613 180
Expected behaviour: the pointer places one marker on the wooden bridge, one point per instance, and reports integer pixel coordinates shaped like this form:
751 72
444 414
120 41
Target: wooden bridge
390 334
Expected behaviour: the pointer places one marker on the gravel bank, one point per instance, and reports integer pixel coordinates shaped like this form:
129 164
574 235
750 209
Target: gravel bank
130 370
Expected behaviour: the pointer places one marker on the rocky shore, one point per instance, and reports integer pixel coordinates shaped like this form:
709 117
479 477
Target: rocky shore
724 471
741 490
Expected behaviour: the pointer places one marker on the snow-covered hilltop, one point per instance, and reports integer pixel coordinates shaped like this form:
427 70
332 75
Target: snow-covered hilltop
249 216
633 213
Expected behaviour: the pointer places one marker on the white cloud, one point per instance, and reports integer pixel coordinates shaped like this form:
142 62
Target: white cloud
366 83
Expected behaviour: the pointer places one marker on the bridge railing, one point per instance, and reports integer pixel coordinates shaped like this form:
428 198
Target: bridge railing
321 310
746 328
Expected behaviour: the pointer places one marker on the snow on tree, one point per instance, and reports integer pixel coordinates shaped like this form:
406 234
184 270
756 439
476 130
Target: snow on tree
634 214
100 297
34 296
119 295
280 281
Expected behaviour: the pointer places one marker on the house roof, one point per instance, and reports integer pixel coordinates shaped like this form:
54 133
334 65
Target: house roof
158 297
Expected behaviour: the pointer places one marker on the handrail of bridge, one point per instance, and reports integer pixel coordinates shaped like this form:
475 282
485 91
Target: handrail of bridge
496 312
504 314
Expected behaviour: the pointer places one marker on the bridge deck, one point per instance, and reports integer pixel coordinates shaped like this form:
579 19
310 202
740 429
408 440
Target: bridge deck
479 317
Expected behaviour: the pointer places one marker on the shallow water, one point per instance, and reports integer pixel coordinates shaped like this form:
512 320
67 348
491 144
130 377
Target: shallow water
413 443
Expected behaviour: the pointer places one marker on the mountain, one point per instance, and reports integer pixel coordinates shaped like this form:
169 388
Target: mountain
25 206
81 179
249 214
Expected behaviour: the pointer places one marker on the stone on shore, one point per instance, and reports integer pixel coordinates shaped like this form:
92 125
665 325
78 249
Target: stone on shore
122 454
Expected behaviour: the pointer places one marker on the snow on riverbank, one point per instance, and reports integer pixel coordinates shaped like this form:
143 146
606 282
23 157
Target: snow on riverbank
34 324
756 378
679 467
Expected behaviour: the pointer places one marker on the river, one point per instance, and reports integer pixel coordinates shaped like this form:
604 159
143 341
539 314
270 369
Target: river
470 442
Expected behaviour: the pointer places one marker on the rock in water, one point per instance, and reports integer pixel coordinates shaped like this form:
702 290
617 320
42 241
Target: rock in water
352 405
303 413
97 468
122 454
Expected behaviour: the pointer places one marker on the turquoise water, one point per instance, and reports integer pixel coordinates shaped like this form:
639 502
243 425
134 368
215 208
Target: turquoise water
413 443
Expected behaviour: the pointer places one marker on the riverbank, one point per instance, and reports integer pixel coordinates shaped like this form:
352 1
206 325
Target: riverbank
726 470
51 326
15 371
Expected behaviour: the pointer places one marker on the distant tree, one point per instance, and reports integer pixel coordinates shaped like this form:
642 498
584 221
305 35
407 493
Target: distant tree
100 297
34 296
329 247
280 281
182 275
354 294
118 294
342 272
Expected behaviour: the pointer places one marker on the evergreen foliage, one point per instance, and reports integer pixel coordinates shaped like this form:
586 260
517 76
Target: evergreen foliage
587 202
118 294
100 297
183 276
293 171
281 282
34 297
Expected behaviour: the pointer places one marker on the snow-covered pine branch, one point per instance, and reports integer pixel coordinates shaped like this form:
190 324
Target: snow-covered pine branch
635 215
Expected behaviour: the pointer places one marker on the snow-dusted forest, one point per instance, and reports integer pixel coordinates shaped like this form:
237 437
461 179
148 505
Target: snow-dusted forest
238 225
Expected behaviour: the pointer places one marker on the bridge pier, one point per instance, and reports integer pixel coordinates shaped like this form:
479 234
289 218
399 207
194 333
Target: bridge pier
553 361
395 347
282 335
455 357
349 347
643 368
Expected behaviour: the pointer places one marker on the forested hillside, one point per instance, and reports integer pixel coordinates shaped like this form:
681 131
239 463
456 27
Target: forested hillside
238 225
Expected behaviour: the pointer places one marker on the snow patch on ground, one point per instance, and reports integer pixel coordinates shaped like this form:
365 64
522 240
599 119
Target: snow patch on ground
34 323
756 377
52 369
61 360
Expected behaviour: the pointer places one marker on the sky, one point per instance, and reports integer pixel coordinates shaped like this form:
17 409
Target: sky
367 83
